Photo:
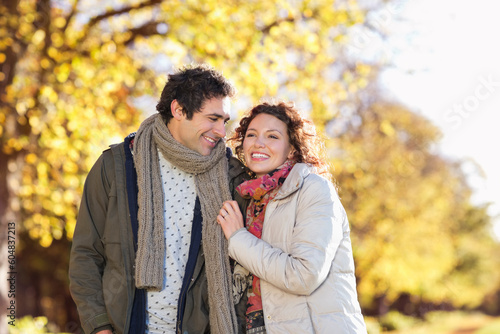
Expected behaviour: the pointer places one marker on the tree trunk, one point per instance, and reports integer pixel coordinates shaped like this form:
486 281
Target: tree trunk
8 223
7 233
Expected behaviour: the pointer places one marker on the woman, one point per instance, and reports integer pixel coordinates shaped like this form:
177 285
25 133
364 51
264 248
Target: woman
296 246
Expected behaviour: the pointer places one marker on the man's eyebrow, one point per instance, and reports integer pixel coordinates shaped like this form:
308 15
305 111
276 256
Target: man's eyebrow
218 116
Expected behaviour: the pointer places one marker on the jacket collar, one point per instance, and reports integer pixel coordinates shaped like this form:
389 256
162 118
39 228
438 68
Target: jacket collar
294 180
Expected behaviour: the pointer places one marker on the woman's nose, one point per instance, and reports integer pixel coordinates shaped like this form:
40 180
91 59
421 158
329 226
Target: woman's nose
259 142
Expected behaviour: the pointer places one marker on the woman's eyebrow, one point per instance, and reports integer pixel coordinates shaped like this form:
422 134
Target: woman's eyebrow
270 130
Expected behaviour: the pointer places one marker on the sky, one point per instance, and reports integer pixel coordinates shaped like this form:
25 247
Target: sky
444 63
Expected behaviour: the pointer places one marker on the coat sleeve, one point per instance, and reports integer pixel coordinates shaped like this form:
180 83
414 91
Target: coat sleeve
316 236
87 258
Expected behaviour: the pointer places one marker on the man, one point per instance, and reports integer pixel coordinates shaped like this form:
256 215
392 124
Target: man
147 254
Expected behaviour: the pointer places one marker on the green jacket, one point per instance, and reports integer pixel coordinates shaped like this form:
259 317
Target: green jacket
101 269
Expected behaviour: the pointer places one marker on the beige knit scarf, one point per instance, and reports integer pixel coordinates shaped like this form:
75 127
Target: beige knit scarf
212 187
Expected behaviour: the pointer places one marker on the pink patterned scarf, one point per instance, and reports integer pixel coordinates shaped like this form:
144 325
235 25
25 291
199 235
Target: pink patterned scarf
261 191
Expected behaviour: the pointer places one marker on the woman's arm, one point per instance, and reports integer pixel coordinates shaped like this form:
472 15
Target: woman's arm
317 233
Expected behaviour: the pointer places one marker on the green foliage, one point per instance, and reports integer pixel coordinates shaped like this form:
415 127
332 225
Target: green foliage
28 324
414 229
397 321
442 322
77 68
457 321
492 328
372 325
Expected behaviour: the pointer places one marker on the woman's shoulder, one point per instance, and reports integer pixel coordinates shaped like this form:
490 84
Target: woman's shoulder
309 175
319 186
304 177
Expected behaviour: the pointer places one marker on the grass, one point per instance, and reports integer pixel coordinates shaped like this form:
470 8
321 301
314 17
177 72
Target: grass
452 323
492 328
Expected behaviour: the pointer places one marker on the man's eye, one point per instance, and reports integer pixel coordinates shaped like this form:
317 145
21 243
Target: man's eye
213 119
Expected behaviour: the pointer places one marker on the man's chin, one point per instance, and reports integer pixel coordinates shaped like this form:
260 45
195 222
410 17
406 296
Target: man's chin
205 151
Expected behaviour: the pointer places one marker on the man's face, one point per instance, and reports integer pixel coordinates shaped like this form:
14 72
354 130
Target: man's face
202 132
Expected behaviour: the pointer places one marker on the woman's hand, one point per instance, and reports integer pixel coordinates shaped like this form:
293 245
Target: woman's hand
230 218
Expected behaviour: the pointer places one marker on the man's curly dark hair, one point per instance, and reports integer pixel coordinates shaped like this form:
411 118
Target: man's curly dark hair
191 86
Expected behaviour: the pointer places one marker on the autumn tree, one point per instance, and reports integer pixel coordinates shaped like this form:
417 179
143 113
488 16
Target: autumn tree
80 75
415 229
75 75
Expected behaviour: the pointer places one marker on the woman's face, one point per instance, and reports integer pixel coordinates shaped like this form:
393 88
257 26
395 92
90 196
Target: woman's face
266 145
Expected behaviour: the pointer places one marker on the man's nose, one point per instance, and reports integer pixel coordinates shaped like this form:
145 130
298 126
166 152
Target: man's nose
220 129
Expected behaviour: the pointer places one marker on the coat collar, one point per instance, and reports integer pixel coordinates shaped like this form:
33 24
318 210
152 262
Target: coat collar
294 180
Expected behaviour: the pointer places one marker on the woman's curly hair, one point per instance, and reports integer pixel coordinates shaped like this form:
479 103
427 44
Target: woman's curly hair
306 145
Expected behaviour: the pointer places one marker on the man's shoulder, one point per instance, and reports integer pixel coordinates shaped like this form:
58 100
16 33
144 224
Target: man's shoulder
107 156
128 141
116 150
236 167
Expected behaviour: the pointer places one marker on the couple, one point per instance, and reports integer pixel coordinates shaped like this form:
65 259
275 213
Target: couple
149 253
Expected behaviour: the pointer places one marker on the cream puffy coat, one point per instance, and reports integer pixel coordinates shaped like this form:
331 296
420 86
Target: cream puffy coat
304 259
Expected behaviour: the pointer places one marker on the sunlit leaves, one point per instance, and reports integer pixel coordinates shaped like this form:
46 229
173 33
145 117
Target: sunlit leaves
407 207
78 67
74 100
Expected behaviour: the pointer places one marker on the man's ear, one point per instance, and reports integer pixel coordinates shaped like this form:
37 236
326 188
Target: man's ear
176 110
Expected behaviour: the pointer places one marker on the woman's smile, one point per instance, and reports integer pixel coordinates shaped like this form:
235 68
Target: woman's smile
266 145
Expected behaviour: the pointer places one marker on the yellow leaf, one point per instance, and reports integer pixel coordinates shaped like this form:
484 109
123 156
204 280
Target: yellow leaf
31 158
387 128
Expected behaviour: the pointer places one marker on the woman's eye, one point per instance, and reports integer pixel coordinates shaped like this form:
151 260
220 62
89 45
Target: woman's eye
249 135
273 137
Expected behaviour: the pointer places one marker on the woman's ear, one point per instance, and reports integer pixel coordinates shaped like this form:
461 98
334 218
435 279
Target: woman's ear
291 153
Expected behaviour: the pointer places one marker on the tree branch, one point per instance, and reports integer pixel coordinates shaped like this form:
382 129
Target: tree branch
123 10
147 29
70 16
265 31
267 28
135 31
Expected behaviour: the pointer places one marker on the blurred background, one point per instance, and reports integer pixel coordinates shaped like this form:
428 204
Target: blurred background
405 93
